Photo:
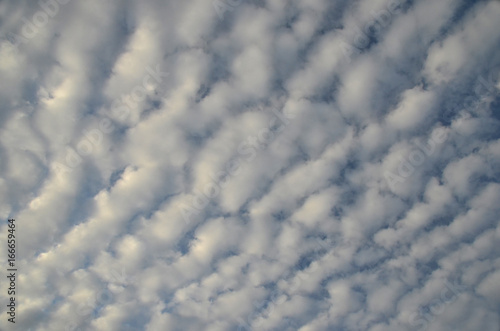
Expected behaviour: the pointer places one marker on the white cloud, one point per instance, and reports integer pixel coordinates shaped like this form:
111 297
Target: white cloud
282 165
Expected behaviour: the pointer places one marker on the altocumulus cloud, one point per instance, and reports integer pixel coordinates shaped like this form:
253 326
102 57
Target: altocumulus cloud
251 165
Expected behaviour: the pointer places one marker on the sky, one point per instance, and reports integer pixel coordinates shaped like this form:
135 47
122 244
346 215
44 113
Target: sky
250 165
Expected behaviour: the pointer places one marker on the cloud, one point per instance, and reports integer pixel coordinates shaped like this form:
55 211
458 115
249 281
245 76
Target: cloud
251 165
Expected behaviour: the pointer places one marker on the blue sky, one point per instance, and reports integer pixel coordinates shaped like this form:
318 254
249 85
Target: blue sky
251 165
